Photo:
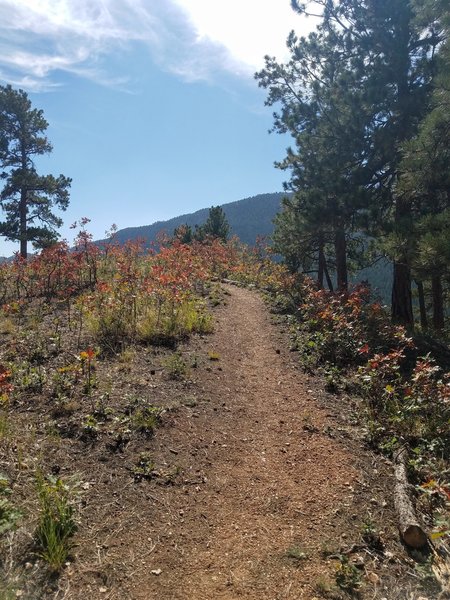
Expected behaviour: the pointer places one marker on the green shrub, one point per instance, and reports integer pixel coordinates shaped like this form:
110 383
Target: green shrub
56 524
176 366
9 514
348 577
414 408
111 329
146 418
144 468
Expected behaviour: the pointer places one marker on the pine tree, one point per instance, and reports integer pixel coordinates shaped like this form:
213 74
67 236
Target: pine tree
425 182
216 224
322 108
303 239
27 198
183 233
373 60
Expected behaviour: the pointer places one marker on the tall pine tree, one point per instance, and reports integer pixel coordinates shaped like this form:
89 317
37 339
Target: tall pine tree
376 61
425 181
27 198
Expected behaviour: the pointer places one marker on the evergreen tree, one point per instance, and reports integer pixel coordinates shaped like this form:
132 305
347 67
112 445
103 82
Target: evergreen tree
425 182
323 110
183 233
366 73
432 260
27 198
216 224
302 240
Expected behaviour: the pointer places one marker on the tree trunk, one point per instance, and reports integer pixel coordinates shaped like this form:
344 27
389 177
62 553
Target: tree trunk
327 277
321 265
410 530
438 303
402 312
340 248
23 209
422 307
401 307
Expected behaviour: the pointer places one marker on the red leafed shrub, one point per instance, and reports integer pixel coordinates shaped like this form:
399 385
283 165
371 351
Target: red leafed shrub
407 401
5 383
344 329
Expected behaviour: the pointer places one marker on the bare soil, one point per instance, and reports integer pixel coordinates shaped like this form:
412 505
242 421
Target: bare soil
261 483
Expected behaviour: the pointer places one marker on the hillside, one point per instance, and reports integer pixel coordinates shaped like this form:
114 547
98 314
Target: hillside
248 219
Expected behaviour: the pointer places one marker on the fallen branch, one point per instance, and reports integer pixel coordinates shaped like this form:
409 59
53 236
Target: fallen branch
410 530
232 282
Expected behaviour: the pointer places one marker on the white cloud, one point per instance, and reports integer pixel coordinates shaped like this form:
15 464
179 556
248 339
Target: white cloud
247 29
192 38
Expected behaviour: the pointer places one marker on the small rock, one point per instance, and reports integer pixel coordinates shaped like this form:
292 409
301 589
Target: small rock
373 578
103 590
358 561
156 572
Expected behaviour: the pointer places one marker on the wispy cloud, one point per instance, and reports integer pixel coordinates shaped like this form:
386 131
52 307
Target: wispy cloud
45 36
194 39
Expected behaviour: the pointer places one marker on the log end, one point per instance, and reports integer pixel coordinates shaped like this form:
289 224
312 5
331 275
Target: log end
414 536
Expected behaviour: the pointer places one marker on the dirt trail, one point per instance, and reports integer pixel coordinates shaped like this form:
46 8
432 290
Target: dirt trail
270 482
267 473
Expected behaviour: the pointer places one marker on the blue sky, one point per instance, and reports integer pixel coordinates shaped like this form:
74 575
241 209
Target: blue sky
152 106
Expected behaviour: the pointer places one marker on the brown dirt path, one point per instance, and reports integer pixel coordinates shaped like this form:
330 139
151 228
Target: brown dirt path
266 470
270 482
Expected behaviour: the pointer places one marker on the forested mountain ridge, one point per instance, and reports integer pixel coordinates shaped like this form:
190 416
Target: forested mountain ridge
248 218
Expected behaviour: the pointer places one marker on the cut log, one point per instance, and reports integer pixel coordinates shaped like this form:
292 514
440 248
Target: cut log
410 530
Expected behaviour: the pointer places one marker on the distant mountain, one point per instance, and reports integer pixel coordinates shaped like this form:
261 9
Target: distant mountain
248 219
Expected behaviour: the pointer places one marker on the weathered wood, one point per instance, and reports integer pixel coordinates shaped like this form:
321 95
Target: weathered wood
410 530
231 282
